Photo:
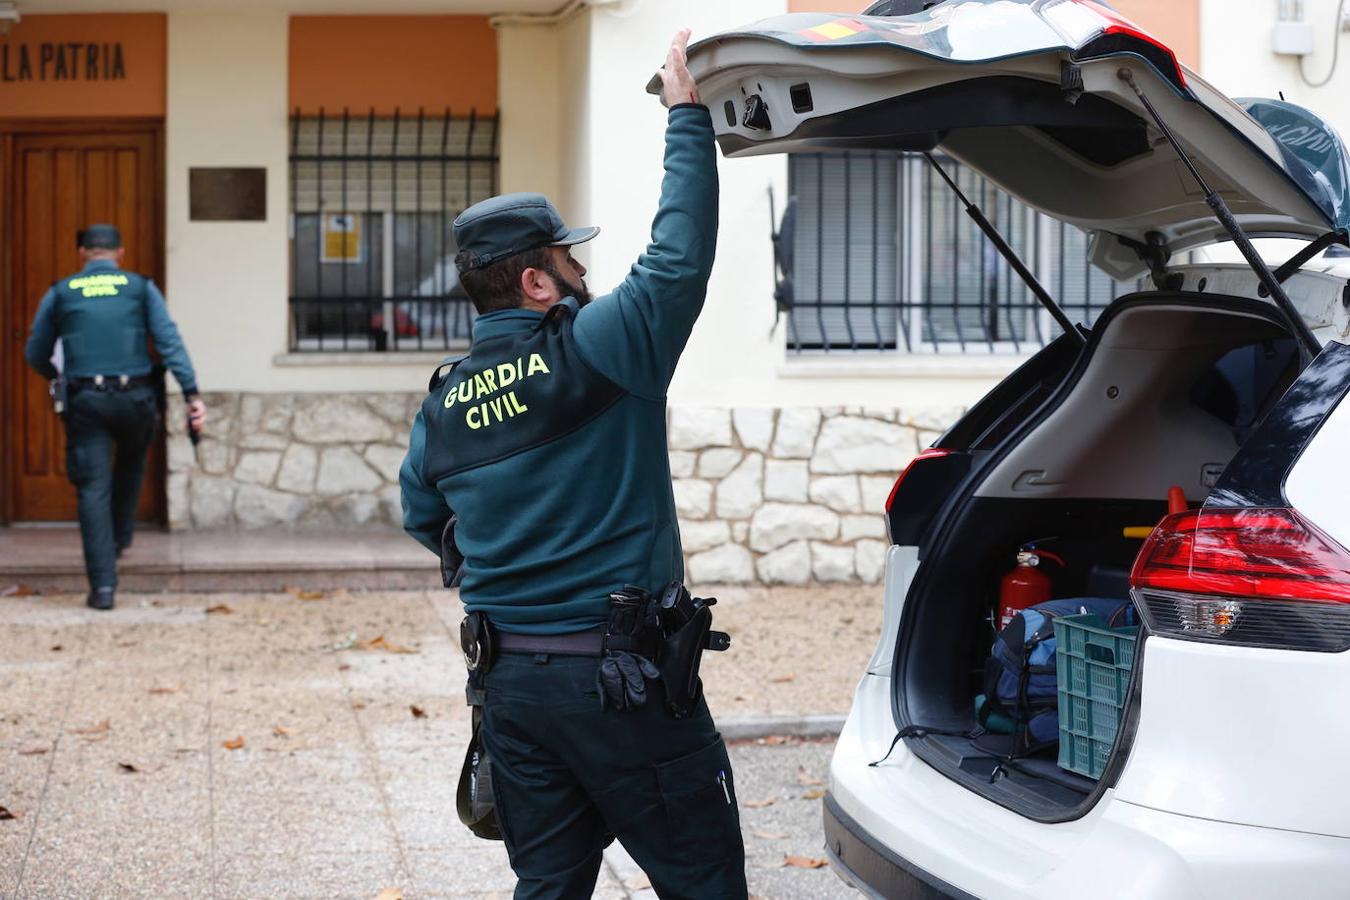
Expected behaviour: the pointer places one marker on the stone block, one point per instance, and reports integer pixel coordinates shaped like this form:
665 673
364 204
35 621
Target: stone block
932 418
865 526
754 426
212 501
693 498
213 456
391 504
682 463
338 419
870 560
696 427
718 461
298 468
257 466
850 444
787 565
776 524
727 564
741 492
277 412
786 480
356 509
838 492
250 412
181 458
390 407
342 471
831 564
885 413
259 507
876 489
696 537
180 503
386 459
796 435
740 531
262 440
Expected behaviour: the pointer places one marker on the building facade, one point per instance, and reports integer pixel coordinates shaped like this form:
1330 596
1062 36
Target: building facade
288 171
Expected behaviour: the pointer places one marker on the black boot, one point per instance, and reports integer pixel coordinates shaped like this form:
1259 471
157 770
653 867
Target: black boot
101 598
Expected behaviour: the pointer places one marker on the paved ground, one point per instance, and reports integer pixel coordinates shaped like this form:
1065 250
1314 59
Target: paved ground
285 745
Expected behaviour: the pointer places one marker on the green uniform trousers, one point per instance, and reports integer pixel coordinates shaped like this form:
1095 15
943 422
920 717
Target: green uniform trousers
108 433
567 776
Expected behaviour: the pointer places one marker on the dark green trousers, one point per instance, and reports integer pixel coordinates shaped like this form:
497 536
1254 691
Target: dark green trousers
567 776
108 433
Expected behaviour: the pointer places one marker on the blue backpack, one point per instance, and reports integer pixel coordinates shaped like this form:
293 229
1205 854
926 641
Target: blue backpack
1019 675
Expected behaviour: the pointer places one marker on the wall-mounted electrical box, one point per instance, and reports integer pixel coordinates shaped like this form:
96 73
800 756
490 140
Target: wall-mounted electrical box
1292 38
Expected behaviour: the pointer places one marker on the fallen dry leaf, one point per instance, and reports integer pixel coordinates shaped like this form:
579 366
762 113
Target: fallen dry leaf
34 751
770 835
16 590
417 711
57 648
283 731
358 704
344 667
97 728
236 744
300 593
805 778
10 814
758 804
390 894
127 767
177 688
379 643
773 739
805 862
784 679
813 795
219 609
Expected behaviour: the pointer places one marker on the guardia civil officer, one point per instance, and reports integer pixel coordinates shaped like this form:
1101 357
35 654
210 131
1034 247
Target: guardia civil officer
103 316
547 445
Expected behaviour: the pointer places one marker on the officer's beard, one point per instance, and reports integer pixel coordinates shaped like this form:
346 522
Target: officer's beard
582 295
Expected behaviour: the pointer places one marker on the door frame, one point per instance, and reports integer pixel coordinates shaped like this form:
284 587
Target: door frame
9 130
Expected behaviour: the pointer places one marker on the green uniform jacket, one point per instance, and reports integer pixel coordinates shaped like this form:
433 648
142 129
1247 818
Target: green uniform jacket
102 316
548 532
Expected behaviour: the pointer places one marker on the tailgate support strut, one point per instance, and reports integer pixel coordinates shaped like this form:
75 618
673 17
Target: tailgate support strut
1300 328
1009 254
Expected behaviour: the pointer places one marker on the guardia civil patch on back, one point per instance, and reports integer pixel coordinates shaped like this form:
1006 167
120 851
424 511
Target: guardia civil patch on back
512 394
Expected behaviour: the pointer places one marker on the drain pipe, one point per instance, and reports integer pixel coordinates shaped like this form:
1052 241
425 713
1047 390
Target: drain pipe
557 17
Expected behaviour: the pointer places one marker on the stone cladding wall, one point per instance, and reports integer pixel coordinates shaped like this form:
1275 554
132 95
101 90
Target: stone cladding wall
774 496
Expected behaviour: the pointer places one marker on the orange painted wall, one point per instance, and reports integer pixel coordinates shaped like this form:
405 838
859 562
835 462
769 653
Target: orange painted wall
139 93
361 62
1175 22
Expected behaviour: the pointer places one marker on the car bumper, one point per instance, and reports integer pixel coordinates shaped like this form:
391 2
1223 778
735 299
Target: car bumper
908 823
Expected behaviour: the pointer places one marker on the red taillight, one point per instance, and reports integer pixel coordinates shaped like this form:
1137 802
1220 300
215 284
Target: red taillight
1262 577
930 453
1269 553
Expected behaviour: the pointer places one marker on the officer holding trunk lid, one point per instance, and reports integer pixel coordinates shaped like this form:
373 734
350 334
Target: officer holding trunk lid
110 392
538 470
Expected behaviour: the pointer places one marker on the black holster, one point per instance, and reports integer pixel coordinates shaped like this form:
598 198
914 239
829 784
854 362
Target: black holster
474 798
59 394
687 623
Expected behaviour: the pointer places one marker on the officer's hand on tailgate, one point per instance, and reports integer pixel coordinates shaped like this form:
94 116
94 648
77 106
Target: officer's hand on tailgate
196 413
677 84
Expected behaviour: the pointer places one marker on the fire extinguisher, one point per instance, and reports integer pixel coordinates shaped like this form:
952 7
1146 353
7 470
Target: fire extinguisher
1026 585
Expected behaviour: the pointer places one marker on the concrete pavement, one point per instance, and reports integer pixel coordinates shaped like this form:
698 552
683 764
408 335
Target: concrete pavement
307 744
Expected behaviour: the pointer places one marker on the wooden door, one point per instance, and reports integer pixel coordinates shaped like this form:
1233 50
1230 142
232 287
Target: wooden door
61 179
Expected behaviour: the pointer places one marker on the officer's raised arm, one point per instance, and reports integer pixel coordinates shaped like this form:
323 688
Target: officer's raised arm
636 334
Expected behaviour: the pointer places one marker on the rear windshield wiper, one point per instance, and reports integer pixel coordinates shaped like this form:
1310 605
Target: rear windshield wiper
1009 254
1268 280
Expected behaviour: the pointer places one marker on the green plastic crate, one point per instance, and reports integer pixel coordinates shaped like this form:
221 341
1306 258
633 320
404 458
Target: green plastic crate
1092 672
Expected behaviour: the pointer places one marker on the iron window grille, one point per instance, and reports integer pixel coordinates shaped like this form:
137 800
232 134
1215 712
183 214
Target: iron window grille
886 259
372 203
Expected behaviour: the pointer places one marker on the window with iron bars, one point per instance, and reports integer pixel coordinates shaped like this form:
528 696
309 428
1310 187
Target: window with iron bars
372 203
886 259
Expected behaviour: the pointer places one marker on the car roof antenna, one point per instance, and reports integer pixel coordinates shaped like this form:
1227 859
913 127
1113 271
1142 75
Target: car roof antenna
1225 216
1009 254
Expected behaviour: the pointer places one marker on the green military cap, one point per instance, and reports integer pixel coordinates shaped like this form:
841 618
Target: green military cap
509 224
99 237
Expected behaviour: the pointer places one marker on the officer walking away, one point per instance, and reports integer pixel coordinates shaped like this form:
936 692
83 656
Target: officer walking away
541 458
102 316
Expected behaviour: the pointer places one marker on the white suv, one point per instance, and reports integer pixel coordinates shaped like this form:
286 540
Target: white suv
1225 778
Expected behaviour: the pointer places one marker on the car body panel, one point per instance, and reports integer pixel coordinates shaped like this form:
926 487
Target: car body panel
858 69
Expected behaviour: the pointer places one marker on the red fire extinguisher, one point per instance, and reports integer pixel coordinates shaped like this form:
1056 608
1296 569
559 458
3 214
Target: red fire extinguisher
1026 585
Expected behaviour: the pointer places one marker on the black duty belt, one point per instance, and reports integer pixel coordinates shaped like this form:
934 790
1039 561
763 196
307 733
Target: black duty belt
578 643
111 382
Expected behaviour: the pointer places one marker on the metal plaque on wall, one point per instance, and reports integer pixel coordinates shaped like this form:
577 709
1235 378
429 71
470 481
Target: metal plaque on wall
227 194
